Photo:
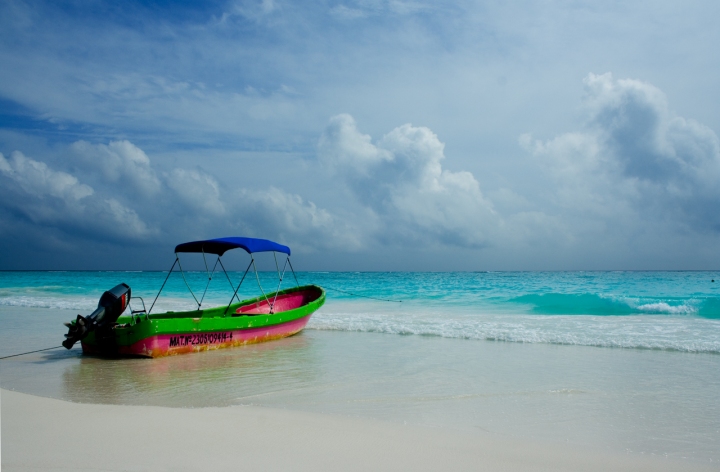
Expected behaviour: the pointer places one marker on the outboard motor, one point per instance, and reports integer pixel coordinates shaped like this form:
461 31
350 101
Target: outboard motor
111 305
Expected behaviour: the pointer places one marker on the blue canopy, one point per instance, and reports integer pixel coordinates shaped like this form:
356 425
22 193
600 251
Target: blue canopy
221 245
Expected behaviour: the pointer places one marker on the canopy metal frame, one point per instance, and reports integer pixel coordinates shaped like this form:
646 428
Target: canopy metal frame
190 247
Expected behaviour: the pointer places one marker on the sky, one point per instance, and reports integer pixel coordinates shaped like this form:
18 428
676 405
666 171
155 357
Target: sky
366 135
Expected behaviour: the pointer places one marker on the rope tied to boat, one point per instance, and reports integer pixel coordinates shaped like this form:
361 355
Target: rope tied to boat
362 296
30 352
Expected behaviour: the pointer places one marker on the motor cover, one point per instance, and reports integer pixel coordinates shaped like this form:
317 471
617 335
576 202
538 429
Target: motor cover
112 304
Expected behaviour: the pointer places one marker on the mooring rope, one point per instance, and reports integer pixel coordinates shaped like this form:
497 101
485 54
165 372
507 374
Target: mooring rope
363 296
30 352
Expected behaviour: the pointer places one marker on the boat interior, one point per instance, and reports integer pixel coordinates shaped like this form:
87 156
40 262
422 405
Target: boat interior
283 302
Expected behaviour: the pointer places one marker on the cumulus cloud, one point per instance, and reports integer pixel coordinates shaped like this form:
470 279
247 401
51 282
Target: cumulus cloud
120 161
52 199
197 190
130 222
47 197
38 180
636 158
401 179
292 218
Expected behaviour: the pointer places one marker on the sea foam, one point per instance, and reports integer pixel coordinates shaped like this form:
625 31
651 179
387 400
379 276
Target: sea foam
687 334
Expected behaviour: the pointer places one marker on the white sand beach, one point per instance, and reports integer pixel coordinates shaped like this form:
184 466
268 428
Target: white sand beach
42 434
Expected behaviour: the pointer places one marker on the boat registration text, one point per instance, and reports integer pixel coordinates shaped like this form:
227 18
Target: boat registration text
201 338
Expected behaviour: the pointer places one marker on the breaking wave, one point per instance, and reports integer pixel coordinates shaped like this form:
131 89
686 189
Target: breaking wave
600 305
685 334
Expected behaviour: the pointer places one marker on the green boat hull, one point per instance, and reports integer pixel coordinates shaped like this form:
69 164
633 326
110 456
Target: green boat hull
171 333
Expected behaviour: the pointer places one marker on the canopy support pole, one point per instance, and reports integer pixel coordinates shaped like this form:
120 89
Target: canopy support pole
238 287
280 277
257 277
293 271
186 282
163 285
210 276
226 274
277 268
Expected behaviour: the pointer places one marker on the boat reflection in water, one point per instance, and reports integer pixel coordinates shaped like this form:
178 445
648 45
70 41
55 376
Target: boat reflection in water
215 378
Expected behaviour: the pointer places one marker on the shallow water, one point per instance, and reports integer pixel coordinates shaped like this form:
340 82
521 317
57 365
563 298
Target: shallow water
640 382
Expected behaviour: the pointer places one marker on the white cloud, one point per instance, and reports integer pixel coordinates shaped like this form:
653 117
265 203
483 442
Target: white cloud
365 8
293 219
402 180
197 190
129 221
38 180
636 161
51 198
250 9
120 161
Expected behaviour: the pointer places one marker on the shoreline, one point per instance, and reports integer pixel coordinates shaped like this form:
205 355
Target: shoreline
47 434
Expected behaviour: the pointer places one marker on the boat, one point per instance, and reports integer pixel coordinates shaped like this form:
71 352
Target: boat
112 330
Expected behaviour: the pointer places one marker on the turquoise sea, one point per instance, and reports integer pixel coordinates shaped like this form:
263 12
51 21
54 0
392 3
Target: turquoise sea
626 361
651 310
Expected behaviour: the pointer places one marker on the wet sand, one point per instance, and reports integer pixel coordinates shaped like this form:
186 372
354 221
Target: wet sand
48 434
